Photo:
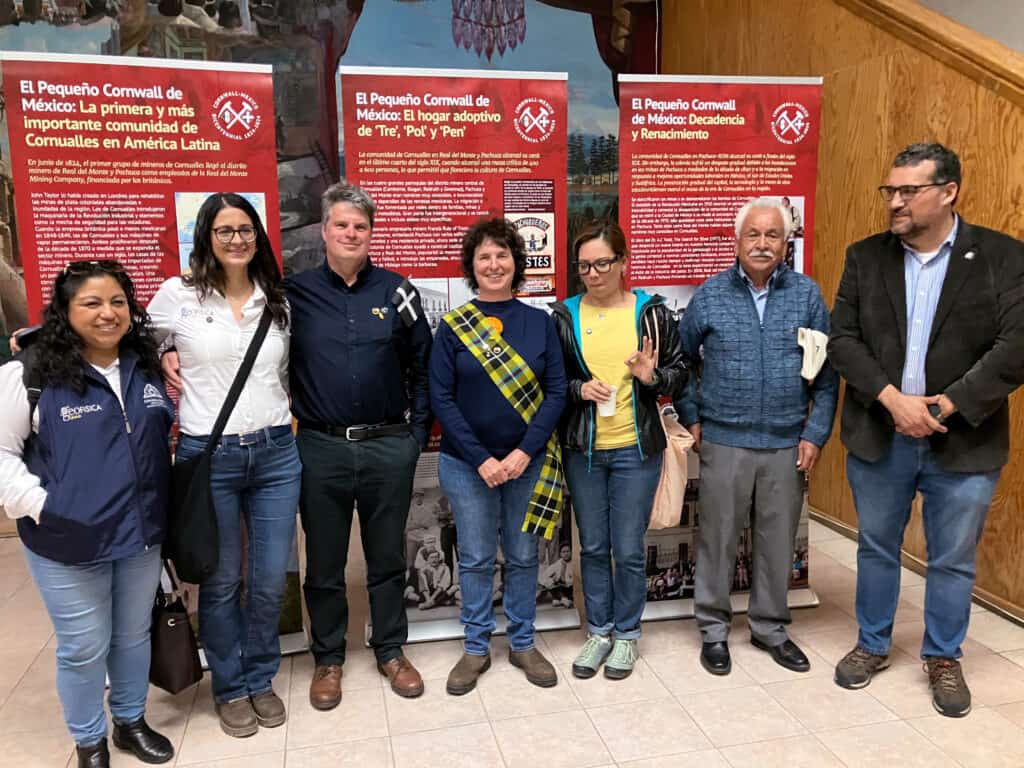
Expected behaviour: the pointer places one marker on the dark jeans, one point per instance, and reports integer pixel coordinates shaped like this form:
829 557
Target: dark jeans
256 485
954 510
375 476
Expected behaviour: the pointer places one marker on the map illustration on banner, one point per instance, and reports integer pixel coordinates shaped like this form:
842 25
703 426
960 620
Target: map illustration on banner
106 152
438 150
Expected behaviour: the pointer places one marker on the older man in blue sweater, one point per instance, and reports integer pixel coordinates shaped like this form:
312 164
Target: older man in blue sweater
759 426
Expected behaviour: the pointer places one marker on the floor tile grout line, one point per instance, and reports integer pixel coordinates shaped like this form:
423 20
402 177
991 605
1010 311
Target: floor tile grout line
23 675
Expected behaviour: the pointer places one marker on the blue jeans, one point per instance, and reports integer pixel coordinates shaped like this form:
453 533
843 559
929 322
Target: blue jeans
955 506
483 514
101 613
260 483
612 502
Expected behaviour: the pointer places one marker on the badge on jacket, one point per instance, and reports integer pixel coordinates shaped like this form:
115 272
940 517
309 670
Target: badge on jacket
407 301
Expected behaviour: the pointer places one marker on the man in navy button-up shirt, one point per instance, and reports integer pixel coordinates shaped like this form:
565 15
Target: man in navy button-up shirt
359 391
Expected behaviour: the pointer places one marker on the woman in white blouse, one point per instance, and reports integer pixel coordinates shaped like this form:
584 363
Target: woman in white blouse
210 317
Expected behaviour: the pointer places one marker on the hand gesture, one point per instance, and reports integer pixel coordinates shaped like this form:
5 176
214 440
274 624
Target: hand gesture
492 472
807 455
643 362
515 463
595 390
910 412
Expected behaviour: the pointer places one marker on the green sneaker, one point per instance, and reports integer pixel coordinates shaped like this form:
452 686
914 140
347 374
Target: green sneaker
623 659
591 656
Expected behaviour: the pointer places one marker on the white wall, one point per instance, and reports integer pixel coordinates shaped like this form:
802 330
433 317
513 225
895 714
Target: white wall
1002 20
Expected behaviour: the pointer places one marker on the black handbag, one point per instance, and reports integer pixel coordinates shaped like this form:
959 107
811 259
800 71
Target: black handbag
174 661
192 543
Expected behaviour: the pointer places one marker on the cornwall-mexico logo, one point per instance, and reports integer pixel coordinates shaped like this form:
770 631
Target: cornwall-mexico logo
535 119
236 115
791 122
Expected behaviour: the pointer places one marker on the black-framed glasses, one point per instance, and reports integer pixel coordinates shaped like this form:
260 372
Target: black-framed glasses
92 266
601 266
225 235
907 191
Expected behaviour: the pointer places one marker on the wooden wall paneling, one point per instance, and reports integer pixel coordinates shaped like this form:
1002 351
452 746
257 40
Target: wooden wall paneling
884 89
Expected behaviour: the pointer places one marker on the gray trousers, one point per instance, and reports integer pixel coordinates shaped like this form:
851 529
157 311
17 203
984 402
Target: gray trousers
733 483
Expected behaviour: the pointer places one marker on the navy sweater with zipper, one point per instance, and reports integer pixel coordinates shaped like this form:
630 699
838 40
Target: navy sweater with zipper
106 468
750 393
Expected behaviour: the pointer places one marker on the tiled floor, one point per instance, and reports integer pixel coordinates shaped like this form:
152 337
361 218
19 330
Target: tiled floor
669 713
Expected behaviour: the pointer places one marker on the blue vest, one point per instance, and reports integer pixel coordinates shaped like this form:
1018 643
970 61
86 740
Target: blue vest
106 470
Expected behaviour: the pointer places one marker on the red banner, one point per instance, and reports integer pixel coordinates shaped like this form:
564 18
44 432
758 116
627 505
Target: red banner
693 150
440 149
111 158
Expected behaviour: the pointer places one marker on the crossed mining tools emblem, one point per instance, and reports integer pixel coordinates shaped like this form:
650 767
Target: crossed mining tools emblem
789 124
244 116
539 122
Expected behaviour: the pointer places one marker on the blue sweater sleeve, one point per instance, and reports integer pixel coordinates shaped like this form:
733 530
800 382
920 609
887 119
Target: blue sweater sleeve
442 399
825 387
691 333
554 385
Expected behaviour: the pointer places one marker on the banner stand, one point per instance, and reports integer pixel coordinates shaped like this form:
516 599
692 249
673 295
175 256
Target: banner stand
683 609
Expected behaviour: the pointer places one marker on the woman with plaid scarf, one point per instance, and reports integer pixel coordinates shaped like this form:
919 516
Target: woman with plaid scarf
497 385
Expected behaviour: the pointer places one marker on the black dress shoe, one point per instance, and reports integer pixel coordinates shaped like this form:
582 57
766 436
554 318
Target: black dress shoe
95 756
787 654
714 657
143 742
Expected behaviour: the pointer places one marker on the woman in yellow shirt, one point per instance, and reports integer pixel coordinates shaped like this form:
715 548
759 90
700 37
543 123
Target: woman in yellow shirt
612 437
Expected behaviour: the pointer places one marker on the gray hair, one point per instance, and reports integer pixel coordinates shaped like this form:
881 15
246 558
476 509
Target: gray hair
775 204
343 192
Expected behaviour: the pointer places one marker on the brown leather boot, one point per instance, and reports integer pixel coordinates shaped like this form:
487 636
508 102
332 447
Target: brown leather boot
462 679
325 687
538 669
404 679
237 718
269 709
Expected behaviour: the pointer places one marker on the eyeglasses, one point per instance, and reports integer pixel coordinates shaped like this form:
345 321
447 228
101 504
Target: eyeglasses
908 191
601 266
83 267
225 235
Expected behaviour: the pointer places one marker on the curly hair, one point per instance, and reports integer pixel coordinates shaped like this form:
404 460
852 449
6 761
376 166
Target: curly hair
58 353
208 274
504 233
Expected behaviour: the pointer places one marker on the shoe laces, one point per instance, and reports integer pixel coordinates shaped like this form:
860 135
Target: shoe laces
624 653
593 645
323 672
944 674
860 658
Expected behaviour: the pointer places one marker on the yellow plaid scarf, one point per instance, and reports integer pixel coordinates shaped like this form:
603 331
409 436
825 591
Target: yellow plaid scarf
518 383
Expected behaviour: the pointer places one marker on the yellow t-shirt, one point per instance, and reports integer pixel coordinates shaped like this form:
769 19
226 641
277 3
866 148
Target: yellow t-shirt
608 338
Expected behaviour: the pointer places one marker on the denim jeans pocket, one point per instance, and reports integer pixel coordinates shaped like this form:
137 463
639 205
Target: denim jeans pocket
286 440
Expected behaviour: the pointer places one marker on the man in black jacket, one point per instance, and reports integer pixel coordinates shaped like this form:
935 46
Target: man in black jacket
928 331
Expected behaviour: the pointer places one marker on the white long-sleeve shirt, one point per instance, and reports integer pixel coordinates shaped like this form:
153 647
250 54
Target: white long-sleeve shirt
211 344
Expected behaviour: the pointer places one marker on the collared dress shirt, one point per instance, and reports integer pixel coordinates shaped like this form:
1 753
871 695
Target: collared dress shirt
354 361
760 295
924 274
211 344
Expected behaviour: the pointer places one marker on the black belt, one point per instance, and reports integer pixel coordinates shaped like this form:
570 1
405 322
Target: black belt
357 432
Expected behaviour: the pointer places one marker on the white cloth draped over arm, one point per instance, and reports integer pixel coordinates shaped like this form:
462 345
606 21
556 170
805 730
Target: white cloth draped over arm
21 494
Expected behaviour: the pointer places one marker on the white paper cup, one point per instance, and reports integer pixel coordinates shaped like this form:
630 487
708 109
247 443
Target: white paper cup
607 408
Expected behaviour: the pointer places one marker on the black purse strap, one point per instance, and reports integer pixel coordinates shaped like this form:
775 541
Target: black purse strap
239 382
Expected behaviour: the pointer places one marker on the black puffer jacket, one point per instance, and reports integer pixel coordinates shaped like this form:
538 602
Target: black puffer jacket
577 428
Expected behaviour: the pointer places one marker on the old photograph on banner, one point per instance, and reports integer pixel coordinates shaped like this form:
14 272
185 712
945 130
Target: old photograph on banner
692 151
439 150
112 158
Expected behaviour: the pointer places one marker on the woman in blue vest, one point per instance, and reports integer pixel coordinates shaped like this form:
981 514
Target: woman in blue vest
210 316
85 470
497 386
622 352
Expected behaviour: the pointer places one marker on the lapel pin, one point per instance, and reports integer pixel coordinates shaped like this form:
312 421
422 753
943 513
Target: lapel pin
969 255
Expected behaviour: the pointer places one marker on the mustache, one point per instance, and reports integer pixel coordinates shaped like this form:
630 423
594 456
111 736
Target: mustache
757 252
